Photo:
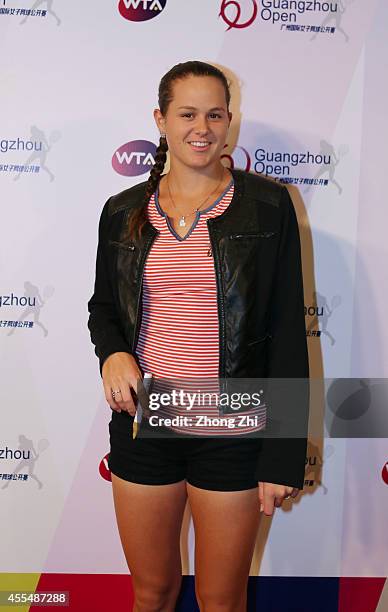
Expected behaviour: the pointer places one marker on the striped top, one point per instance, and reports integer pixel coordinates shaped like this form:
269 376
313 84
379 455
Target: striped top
179 333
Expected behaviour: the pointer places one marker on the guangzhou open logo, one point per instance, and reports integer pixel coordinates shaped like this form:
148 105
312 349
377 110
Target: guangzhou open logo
134 158
103 468
141 10
384 473
238 13
238 158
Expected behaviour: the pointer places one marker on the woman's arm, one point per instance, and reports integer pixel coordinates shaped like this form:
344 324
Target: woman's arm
282 460
104 321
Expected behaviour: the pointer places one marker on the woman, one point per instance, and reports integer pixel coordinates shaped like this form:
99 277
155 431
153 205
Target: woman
198 273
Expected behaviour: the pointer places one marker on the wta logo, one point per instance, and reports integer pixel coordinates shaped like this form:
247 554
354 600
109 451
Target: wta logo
238 13
141 10
134 158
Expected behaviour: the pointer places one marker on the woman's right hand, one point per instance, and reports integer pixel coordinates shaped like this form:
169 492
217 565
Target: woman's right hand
121 372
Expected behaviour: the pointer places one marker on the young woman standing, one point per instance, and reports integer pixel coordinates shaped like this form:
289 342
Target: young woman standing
176 294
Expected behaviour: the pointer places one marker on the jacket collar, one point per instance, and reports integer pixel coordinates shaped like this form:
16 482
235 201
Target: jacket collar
134 196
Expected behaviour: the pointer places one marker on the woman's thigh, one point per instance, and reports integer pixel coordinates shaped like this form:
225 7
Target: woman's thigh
225 524
149 519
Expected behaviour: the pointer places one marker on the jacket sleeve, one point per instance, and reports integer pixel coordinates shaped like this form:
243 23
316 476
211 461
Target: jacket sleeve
282 459
104 323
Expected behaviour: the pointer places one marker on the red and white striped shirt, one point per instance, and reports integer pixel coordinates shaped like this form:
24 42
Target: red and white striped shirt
179 332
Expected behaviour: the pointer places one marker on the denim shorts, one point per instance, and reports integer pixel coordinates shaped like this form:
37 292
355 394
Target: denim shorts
223 464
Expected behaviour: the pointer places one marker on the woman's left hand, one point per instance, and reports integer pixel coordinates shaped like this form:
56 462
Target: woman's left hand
271 495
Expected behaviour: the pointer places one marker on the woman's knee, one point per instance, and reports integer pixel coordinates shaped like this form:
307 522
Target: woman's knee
211 600
152 596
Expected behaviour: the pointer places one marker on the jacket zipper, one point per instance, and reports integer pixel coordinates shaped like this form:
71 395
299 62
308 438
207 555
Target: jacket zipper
221 307
139 305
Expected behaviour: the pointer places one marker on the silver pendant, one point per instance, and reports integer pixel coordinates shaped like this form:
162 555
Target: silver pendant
182 222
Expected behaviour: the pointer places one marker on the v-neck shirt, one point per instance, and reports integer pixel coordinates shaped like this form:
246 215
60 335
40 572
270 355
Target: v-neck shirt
201 215
179 331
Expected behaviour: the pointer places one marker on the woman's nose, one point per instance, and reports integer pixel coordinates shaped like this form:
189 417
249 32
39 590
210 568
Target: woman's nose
201 127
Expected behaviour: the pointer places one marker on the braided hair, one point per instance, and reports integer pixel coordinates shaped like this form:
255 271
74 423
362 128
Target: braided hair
138 218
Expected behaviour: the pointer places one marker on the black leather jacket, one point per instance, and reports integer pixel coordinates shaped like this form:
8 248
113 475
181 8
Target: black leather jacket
256 251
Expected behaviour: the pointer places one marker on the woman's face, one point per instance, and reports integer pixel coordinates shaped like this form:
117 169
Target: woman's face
196 122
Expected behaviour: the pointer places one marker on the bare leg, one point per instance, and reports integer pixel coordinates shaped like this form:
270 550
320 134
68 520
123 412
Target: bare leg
149 520
226 525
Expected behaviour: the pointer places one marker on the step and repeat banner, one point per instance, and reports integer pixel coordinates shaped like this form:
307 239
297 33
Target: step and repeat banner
79 85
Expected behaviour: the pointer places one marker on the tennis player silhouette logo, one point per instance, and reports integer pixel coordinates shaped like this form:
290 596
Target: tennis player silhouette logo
327 150
40 155
336 18
141 10
35 304
324 311
30 457
48 6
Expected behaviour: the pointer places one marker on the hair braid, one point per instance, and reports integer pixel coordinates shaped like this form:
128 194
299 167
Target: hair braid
139 217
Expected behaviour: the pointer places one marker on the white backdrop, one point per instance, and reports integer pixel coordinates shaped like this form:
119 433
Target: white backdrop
78 81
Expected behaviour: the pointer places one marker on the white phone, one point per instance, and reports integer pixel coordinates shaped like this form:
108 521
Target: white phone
139 410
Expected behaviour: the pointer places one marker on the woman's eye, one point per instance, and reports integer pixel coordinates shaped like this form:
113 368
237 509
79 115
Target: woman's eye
211 114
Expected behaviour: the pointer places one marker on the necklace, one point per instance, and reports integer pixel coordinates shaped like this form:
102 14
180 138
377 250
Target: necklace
182 220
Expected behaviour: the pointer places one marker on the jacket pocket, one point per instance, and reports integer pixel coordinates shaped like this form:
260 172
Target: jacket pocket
252 235
267 335
122 245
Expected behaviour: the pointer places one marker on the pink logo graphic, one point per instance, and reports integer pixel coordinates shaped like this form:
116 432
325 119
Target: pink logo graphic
230 12
141 10
103 468
134 158
384 473
243 161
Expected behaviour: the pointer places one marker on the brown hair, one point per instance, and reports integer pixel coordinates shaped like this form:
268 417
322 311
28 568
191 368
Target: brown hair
165 95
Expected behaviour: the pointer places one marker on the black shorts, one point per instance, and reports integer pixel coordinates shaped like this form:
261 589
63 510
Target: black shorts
224 464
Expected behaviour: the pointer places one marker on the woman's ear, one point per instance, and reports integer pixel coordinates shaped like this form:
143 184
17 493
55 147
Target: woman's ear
159 120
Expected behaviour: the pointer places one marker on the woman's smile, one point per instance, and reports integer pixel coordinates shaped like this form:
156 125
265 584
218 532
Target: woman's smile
199 145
